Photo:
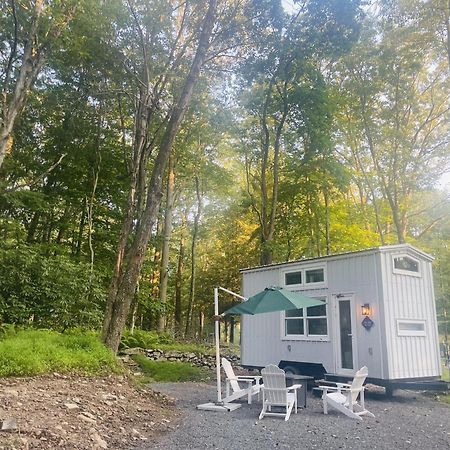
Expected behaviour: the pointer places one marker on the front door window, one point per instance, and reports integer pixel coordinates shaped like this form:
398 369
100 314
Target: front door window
345 324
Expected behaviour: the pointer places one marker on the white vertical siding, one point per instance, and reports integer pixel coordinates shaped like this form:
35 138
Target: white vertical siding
356 275
367 277
409 297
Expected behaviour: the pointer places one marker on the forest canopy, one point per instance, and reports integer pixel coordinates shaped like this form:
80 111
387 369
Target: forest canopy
151 149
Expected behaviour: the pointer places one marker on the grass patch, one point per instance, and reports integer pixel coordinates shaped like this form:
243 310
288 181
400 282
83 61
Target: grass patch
169 370
34 352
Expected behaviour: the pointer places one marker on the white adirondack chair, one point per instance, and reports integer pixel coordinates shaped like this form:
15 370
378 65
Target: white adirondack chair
275 393
344 397
252 384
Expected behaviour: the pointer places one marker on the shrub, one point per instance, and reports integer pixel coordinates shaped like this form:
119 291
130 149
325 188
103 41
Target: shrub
48 291
33 352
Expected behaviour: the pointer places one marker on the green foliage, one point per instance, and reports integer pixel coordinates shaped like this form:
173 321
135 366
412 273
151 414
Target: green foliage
170 370
34 352
145 339
47 290
162 341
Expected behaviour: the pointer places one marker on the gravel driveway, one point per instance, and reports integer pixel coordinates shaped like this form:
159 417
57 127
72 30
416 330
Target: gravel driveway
407 421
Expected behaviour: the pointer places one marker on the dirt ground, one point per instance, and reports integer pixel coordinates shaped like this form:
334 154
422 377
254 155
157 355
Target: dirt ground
71 412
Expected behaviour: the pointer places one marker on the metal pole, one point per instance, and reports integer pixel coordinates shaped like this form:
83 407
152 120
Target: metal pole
217 338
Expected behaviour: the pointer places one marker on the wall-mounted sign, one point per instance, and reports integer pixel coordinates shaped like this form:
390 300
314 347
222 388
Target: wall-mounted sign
367 323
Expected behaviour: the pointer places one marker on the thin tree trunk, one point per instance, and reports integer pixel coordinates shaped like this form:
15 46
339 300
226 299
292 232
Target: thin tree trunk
327 221
193 256
120 299
164 270
81 228
178 287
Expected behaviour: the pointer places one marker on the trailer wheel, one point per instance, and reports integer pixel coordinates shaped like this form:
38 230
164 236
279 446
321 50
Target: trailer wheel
291 370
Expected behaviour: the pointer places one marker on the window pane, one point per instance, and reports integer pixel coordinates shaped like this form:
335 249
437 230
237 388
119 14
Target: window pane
405 263
314 276
317 327
411 326
294 313
294 326
293 278
320 310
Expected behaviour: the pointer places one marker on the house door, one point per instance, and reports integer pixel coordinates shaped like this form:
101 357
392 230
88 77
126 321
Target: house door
345 338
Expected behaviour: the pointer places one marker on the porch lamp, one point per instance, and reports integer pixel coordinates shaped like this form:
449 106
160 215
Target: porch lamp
366 310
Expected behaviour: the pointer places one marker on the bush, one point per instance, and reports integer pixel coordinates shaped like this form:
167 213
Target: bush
145 339
48 291
33 352
163 341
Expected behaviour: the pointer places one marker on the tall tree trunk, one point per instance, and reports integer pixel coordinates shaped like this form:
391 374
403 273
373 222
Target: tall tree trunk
327 221
119 300
164 271
178 287
81 228
190 307
90 204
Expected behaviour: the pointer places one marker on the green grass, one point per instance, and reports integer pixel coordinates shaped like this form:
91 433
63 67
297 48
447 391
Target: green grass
169 370
446 374
34 352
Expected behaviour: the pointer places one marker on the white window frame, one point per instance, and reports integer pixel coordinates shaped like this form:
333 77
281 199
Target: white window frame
292 286
304 284
317 283
406 272
305 336
412 332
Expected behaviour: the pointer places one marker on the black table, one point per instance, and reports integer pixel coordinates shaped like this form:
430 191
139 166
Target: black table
301 393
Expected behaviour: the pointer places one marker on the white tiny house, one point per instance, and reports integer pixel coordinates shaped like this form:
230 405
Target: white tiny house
378 311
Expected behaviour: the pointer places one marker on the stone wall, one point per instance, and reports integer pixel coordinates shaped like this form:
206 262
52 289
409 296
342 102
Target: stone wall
196 359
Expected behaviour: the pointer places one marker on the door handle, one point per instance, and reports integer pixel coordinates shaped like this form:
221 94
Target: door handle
350 335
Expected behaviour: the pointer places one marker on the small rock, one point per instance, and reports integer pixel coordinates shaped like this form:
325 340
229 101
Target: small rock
71 406
11 392
109 397
86 419
99 443
9 424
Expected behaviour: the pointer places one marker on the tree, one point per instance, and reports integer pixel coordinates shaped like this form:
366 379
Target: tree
31 29
129 262
287 101
395 121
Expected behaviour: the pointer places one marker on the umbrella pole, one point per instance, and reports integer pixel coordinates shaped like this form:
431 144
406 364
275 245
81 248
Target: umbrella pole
219 405
217 339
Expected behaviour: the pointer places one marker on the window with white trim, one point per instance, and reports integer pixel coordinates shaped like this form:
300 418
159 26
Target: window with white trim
411 327
406 265
304 276
309 322
293 278
314 275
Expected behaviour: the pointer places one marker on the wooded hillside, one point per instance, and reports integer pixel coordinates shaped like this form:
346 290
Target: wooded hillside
150 149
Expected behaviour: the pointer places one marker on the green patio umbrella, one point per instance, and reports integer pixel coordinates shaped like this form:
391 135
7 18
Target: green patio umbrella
273 299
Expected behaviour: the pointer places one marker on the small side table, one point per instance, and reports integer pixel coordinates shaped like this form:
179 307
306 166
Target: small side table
299 379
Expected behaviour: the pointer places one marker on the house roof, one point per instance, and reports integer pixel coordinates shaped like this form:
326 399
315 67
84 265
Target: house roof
385 248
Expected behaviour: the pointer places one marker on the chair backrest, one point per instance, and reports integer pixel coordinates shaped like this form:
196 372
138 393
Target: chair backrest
358 382
229 372
274 380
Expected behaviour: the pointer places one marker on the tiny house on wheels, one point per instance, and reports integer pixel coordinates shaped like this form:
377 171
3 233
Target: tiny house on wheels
378 311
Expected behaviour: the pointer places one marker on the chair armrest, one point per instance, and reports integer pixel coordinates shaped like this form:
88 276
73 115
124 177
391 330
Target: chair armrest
294 387
343 385
325 389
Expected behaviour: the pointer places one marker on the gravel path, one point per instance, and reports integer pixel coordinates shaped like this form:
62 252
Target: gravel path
408 421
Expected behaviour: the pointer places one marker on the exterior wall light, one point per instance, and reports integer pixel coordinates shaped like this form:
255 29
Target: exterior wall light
365 309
